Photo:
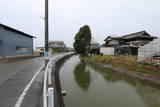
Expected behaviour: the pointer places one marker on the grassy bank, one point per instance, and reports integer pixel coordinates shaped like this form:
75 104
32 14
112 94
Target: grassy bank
127 62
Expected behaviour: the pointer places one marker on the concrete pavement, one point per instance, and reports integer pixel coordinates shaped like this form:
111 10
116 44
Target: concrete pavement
14 77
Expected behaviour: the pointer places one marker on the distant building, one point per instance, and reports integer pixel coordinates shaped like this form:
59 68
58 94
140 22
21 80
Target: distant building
128 44
94 48
57 44
54 46
39 51
14 43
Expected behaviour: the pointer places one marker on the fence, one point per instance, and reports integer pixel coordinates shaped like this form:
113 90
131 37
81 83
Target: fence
48 88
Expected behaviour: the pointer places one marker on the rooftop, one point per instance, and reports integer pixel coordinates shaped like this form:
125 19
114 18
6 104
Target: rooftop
111 37
143 34
15 30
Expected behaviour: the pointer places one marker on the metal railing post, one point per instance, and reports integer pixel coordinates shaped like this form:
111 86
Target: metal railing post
45 90
49 77
50 97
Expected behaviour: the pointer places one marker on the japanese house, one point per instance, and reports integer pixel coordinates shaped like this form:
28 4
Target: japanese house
128 44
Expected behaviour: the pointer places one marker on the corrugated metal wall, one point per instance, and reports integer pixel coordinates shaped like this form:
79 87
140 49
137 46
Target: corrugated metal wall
1 42
9 41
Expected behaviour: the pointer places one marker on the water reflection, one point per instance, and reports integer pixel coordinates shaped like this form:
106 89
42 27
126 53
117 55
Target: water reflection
112 76
148 92
150 95
105 88
82 76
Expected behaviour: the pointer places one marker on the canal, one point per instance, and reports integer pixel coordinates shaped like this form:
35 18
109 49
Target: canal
88 85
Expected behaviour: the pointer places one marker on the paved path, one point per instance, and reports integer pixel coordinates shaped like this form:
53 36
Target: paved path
14 77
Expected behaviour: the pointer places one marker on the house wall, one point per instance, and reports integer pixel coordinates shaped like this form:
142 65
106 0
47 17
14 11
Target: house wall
107 50
113 42
10 40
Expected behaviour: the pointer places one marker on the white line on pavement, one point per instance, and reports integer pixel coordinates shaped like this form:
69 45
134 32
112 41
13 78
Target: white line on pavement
20 99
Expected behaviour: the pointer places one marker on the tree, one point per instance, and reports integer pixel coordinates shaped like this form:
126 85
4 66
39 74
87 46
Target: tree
83 40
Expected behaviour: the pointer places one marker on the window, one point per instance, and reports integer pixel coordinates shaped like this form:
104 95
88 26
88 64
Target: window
21 49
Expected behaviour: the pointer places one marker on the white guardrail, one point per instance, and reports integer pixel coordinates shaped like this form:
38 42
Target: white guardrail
48 89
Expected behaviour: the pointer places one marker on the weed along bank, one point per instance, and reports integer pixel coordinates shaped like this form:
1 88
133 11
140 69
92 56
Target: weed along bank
128 65
14 43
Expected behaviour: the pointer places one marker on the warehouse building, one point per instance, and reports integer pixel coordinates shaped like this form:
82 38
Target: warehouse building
14 43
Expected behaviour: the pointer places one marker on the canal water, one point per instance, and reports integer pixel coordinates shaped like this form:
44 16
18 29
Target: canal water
88 85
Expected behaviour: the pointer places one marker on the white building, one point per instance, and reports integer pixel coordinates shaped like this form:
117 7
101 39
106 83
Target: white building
107 50
109 47
150 52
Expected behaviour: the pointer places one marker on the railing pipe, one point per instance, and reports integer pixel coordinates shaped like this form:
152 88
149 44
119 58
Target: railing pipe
48 92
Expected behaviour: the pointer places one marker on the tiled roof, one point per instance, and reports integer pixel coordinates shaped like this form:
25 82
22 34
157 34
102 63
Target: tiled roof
143 34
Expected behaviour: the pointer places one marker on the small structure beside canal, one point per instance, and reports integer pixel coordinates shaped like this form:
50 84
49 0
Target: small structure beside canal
14 43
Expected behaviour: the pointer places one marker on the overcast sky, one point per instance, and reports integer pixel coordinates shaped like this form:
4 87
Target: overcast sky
105 17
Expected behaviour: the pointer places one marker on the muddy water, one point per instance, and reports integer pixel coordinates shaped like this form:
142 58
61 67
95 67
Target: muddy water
88 85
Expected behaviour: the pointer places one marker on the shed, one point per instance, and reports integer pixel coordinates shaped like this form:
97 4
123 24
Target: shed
14 43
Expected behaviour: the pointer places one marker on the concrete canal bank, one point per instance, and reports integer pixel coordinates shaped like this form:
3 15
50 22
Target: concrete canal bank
52 96
58 90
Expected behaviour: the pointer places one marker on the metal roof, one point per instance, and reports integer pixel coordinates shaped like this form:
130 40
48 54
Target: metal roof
17 31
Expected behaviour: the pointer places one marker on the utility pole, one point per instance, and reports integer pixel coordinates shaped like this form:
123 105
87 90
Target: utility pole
46 32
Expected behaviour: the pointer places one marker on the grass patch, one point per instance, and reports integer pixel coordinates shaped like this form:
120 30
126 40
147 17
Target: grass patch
127 62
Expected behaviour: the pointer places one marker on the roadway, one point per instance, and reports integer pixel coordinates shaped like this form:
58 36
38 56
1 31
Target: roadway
14 76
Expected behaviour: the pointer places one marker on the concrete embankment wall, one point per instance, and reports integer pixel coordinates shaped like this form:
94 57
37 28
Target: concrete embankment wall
18 57
59 102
